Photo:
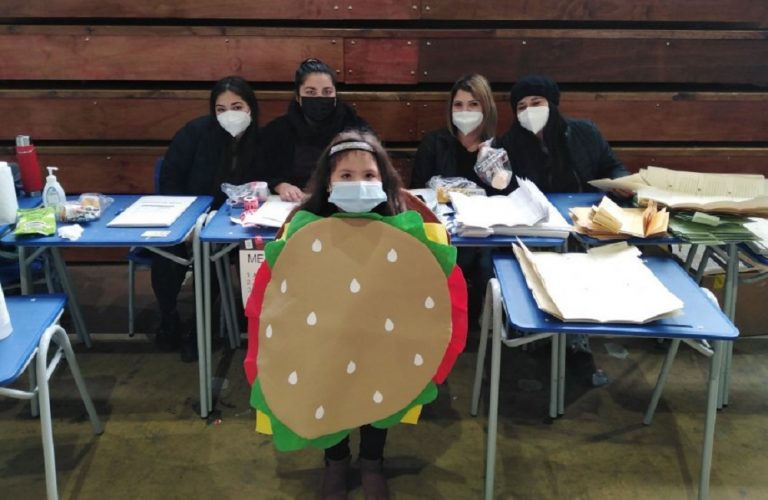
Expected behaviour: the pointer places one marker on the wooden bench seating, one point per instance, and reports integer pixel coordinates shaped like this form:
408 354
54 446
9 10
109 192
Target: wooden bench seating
101 86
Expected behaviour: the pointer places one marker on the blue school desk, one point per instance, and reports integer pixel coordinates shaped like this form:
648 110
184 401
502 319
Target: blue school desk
34 319
218 237
97 234
727 256
509 293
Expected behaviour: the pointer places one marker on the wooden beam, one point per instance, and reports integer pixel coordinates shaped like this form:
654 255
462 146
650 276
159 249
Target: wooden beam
143 115
204 9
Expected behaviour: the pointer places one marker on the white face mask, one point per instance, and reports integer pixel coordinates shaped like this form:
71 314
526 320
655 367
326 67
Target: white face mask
534 118
467 121
234 122
357 196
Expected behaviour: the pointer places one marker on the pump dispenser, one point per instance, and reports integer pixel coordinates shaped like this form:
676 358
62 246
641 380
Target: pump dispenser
53 193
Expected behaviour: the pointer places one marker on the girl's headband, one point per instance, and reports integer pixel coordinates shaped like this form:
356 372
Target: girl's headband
351 145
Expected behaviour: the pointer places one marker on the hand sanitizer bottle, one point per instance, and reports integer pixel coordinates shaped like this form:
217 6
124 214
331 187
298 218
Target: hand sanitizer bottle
53 193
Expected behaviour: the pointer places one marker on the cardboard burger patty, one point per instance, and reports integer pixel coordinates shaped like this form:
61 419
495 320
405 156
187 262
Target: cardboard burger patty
354 324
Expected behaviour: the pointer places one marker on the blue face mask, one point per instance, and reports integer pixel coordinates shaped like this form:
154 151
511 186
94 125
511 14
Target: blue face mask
357 196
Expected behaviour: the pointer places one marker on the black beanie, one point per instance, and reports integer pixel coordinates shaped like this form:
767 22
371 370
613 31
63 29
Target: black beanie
535 85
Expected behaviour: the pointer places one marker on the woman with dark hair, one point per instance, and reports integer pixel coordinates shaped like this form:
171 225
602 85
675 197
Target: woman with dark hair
559 154
293 142
221 146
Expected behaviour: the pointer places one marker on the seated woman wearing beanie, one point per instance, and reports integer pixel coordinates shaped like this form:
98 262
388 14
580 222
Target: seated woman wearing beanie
559 154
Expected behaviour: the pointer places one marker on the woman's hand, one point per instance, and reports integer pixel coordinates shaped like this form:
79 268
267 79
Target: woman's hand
289 192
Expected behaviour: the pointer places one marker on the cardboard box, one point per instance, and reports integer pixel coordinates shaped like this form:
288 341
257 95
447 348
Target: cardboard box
751 303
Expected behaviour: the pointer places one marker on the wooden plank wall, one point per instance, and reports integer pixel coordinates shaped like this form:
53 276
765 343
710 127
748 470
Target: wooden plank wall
102 85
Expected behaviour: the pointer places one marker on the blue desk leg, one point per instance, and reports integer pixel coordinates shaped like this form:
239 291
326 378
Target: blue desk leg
202 305
729 307
223 295
554 377
481 350
234 339
72 304
493 414
561 374
715 368
661 381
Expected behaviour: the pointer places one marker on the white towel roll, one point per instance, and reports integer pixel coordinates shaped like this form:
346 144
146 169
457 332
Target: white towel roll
8 202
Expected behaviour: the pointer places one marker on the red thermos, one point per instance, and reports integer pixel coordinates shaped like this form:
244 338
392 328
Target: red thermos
26 156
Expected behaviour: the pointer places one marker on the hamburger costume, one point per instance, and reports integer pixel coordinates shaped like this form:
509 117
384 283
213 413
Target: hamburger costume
353 320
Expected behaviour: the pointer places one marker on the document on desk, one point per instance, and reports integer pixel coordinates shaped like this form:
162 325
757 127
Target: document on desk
153 211
690 183
608 284
272 213
525 212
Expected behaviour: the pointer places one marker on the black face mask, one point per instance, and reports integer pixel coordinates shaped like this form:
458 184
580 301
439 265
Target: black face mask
318 109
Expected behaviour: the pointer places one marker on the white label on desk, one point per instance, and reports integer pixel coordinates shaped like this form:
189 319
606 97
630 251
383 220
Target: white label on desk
155 234
250 260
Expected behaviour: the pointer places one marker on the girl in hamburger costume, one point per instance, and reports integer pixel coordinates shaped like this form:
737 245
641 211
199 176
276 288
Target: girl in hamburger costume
358 311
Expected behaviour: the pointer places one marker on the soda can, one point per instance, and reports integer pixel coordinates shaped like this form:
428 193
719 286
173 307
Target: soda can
250 203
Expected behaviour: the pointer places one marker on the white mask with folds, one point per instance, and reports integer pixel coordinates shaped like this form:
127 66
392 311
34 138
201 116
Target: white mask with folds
467 121
534 118
234 122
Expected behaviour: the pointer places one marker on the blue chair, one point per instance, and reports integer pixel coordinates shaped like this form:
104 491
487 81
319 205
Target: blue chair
35 325
139 258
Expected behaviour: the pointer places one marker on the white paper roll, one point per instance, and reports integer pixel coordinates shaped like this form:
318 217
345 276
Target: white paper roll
8 202
5 319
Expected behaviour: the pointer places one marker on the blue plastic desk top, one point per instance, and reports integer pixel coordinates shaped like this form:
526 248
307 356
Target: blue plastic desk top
565 201
701 318
26 202
30 316
497 240
222 230
97 234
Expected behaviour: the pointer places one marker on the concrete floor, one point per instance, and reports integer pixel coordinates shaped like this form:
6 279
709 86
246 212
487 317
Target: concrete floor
155 446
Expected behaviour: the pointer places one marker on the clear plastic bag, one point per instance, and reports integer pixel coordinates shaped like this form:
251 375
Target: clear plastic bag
493 166
443 186
237 194
87 208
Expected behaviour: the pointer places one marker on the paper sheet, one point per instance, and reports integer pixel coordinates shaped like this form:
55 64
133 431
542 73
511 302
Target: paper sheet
607 284
153 211
725 187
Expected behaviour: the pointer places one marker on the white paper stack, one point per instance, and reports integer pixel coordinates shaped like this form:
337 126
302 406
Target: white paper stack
607 284
524 212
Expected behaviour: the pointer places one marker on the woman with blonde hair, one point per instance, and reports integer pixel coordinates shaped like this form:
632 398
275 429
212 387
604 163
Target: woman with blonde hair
452 151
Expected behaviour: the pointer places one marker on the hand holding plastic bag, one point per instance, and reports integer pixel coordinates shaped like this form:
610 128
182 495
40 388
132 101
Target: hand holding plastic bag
493 166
